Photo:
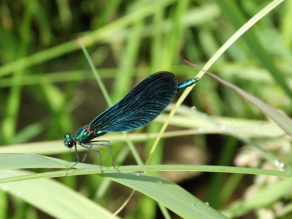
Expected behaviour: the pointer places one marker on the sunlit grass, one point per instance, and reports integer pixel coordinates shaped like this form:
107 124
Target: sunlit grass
48 89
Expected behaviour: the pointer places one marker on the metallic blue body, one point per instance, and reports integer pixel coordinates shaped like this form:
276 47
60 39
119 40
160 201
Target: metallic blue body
84 136
138 108
187 83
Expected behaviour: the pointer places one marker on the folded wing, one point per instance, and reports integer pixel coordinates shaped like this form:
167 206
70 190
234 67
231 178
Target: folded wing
140 106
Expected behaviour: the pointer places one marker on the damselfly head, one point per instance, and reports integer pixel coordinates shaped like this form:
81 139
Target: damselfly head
68 141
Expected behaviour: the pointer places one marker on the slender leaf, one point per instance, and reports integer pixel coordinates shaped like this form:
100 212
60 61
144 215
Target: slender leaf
8 161
279 118
262 198
53 198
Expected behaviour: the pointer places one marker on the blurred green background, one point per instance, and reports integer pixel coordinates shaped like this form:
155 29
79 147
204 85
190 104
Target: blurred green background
47 89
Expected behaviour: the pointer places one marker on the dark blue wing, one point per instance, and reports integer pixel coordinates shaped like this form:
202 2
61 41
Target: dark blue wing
140 106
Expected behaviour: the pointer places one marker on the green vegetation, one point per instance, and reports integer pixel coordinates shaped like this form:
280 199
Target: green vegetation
64 62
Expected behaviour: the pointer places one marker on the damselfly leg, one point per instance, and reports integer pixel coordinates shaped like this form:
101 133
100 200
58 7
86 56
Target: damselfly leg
77 159
90 148
110 150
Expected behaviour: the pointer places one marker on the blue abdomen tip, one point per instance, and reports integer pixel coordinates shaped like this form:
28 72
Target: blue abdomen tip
188 83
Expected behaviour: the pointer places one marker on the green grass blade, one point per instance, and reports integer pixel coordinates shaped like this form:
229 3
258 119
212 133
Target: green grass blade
148 185
8 161
286 31
59 201
237 19
262 198
172 43
18 161
229 188
93 169
64 13
88 40
30 132
3 204
128 62
168 194
97 77
279 118
9 122
242 30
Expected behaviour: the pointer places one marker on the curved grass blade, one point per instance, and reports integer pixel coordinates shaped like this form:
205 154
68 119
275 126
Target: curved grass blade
93 169
165 192
59 201
168 194
7 161
19 161
279 118
226 45
236 18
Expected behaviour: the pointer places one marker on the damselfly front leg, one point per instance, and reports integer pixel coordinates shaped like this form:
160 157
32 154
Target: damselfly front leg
77 159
